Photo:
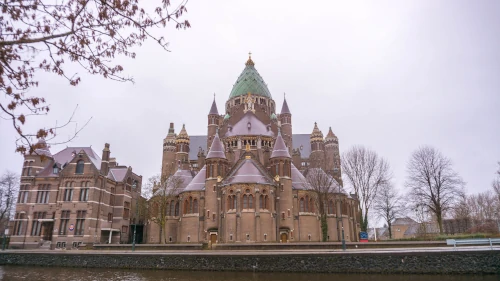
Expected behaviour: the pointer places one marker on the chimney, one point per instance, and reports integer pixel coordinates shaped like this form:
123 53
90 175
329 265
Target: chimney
105 159
112 162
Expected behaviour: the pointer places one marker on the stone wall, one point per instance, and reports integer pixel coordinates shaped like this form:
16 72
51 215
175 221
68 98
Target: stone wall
452 262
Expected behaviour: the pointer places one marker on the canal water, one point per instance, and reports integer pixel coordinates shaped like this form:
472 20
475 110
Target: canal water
93 274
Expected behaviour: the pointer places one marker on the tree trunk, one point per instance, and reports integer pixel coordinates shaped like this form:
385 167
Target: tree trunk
439 218
390 229
324 228
364 221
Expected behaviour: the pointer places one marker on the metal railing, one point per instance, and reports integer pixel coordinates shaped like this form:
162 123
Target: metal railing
485 241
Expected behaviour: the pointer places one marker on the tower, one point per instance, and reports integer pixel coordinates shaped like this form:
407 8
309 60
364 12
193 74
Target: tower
332 156
281 169
317 157
182 152
213 123
216 168
168 165
286 124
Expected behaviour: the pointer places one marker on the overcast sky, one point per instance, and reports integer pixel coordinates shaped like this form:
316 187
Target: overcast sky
390 75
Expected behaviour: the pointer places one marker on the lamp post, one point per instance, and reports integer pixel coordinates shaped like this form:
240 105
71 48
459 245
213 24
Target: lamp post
5 238
342 223
136 212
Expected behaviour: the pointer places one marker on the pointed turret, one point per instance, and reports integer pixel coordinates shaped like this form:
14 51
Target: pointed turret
286 123
331 137
280 149
284 107
332 156
213 123
217 148
182 143
213 109
168 165
317 157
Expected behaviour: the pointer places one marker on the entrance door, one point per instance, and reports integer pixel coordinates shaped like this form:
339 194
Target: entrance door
213 238
47 228
284 238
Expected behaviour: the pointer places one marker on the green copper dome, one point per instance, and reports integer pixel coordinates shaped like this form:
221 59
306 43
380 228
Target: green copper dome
250 81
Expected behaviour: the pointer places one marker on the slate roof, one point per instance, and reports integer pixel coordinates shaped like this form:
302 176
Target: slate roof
298 180
217 148
213 109
249 124
198 182
117 174
280 149
174 187
250 81
248 171
300 141
66 155
284 108
403 221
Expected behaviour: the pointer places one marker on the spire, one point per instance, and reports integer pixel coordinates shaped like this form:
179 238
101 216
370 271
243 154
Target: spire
316 133
183 135
213 109
170 139
284 108
249 61
280 149
330 136
217 148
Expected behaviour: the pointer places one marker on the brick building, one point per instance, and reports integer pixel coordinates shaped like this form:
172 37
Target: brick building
246 180
74 197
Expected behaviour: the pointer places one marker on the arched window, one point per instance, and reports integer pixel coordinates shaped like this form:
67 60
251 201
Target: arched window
185 207
250 202
172 208
311 205
190 205
302 206
167 210
234 202
306 204
176 209
261 201
330 207
266 203
79 167
195 206
245 201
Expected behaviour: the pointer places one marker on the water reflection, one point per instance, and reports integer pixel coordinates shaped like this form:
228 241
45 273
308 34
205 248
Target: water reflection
93 274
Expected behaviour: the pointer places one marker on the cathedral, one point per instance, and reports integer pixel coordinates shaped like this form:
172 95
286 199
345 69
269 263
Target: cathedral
248 180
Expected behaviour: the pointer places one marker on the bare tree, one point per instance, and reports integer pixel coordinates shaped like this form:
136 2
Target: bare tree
388 205
9 188
433 182
164 201
366 172
43 35
324 187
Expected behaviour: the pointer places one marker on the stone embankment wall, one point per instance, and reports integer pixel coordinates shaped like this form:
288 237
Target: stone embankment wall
455 262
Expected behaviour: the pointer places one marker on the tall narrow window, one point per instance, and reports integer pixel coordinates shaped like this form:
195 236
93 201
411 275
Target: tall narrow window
37 224
23 194
80 222
245 201
261 202
55 169
250 202
176 209
42 195
63 226
126 210
302 206
190 210
18 225
306 209
172 208
68 192
84 192
79 167
330 207
195 206
110 216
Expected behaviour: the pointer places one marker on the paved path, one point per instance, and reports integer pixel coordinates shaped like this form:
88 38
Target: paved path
263 252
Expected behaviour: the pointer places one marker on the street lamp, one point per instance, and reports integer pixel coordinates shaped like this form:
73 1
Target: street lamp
5 238
134 185
342 223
